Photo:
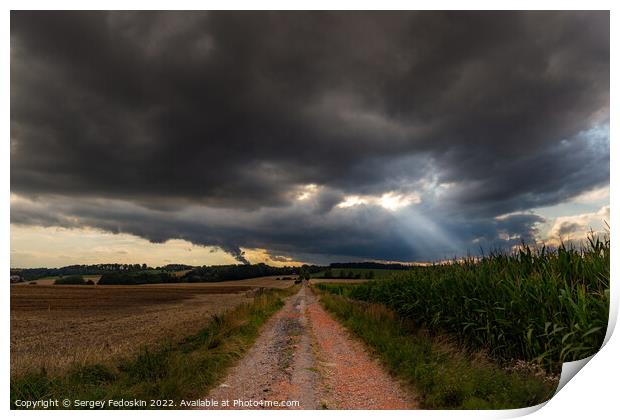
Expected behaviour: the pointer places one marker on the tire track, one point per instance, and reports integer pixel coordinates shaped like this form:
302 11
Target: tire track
304 355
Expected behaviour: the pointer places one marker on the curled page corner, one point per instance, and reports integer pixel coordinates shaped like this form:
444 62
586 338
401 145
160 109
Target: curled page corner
569 370
613 317
518 412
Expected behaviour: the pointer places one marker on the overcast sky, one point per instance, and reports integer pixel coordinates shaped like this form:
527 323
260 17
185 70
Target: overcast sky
304 137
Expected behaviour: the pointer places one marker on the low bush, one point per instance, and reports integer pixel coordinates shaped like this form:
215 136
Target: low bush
79 280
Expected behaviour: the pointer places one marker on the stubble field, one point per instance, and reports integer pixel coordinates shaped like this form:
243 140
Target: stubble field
55 327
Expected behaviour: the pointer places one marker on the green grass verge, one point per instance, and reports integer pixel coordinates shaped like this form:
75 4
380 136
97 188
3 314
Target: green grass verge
443 377
172 371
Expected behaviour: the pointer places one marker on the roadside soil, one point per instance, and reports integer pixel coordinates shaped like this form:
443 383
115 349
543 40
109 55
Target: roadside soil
305 355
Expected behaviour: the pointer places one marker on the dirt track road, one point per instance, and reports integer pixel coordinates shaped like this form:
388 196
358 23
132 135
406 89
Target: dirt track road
305 355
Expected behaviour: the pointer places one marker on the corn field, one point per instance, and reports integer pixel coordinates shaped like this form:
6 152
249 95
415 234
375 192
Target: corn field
544 306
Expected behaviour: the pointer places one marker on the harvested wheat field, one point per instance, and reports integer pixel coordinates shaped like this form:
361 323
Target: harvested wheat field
268 281
55 326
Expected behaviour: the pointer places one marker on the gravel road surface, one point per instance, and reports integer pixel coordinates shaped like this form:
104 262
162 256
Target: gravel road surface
304 355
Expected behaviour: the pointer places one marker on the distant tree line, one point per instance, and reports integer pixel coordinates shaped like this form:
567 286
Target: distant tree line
142 277
371 265
92 269
215 273
343 274
212 273
73 280
141 273
175 267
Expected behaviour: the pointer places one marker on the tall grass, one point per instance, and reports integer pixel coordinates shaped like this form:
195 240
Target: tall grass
545 306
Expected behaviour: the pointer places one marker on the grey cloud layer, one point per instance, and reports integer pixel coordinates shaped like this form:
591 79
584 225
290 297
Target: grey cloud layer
206 125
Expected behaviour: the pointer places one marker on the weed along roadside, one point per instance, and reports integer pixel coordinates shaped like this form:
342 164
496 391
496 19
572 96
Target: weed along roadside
160 376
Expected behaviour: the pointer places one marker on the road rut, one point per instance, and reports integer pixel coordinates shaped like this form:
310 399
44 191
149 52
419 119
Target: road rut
304 355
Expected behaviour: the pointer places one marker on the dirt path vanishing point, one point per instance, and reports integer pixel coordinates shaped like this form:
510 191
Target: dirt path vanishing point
305 355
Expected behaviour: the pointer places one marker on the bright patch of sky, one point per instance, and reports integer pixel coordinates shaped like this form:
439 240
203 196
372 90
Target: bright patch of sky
390 200
34 246
583 215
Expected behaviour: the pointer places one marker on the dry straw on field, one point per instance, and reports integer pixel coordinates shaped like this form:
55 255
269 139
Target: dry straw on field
54 327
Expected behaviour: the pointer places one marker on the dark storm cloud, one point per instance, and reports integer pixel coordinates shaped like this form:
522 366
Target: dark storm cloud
207 126
566 228
298 231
